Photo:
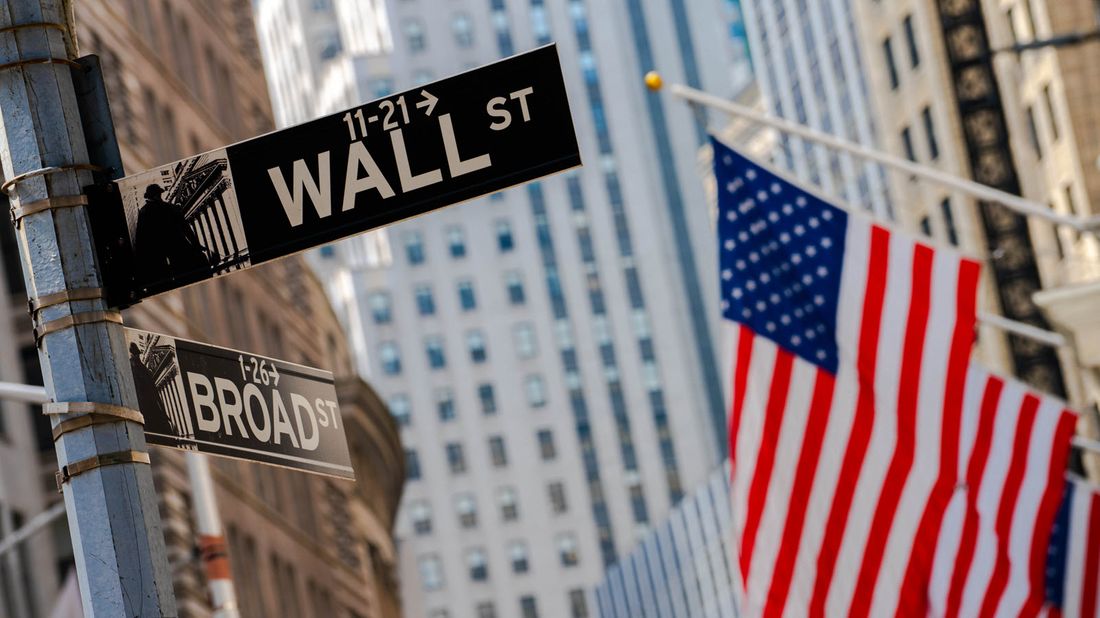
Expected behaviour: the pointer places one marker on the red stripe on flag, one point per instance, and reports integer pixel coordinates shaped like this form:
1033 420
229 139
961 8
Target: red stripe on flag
913 598
975 472
901 464
745 338
765 460
1048 510
817 422
863 422
1089 588
1007 508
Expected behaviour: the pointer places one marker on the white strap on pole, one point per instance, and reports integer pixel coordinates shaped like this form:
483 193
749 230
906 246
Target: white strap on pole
983 192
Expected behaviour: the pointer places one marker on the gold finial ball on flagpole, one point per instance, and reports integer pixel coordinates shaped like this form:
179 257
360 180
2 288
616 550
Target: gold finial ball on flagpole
653 80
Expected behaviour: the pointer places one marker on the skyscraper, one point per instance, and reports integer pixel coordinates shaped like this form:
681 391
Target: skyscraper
549 350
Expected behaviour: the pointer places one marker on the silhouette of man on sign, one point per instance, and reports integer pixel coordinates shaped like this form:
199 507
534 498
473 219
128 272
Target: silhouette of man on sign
165 246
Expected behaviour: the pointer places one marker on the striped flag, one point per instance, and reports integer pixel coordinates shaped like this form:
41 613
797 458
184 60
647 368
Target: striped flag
849 375
1073 565
992 551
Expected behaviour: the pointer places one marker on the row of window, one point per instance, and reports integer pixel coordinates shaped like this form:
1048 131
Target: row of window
381 303
456 454
415 251
416 37
477 561
913 52
523 336
578 607
929 135
420 513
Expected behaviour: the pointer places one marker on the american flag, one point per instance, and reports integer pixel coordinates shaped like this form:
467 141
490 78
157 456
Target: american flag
850 365
1073 562
992 552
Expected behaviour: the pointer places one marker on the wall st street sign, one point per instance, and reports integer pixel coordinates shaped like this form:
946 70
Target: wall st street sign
218 401
407 154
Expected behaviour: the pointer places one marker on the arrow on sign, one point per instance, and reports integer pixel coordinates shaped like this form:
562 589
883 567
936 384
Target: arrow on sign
429 102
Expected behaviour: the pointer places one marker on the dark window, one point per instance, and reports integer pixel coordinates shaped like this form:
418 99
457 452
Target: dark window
637 504
505 241
467 510
488 398
456 242
509 507
391 358
486 610
425 302
546 445
518 553
421 515
930 133
514 282
463 30
475 342
445 404
414 248
466 296
911 41
412 464
497 453
926 226
557 498
456 459
401 410
1049 99
528 607
949 222
380 307
434 348
578 604
907 144
891 68
1033 132
414 35
567 550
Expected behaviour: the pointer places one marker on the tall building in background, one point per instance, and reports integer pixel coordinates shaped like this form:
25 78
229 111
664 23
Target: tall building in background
549 350
809 64
182 77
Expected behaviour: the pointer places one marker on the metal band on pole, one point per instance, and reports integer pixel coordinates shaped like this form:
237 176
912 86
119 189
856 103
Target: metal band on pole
51 203
115 458
43 171
75 319
39 303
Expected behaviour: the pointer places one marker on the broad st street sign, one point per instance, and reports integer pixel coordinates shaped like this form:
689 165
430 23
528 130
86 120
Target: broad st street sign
407 154
218 401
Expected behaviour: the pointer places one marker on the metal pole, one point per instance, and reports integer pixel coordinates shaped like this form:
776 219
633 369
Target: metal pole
974 189
107 484
211 539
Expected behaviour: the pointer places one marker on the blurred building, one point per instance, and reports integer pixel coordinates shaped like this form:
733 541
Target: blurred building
182 78
683 568
548 350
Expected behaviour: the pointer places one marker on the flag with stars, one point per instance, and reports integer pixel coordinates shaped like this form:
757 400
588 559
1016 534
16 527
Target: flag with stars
1073 561
850 364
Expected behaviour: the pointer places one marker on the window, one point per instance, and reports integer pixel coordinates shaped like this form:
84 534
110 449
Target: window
557 498
578 604
466 297
517 550
891 68
401 409
456 459
422 76
949 222
1049 99
414 248
456 242
524 336
907 144
514 284
546 445
528 608
505 242
1010 16
414 35
467 510
540 23
926 226
488 398
391 358
463 30
380 307
475 342
330 46
479 565
1033 132
509 508
911 41
536 391
433 346
637 504
486 610
445 404
425 302
497 452
567 550
930 133
1071 207
412 464
431 572
421 515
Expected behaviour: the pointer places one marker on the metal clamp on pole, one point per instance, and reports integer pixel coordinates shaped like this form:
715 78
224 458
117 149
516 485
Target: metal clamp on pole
42 171
23 63
50 203
32 25
77 468
75 319
92 414
38 303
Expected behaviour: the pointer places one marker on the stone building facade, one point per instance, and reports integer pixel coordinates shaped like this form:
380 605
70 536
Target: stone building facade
183 77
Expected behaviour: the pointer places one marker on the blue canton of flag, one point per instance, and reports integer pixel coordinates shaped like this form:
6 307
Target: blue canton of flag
782 251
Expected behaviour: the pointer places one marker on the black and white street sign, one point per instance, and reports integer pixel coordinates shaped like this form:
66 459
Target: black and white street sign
226 402
388 160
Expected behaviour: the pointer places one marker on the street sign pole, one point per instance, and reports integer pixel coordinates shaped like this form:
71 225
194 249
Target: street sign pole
105 475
